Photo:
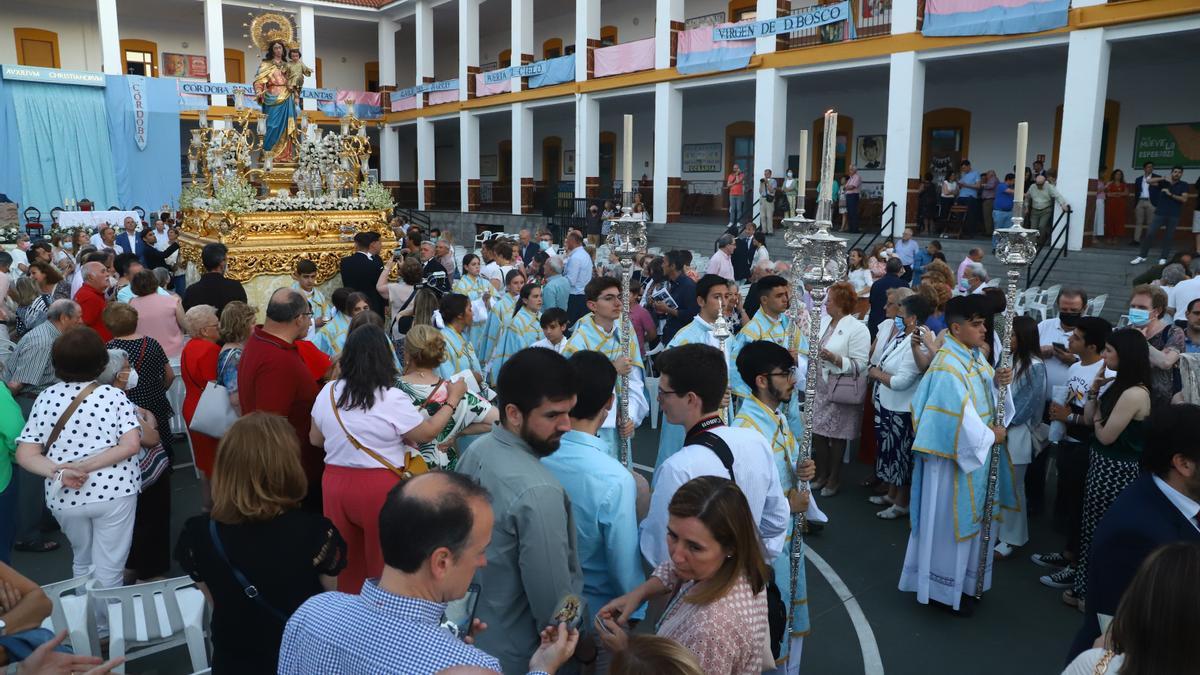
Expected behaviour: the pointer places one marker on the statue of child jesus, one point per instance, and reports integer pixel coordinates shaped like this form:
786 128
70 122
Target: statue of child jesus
296 72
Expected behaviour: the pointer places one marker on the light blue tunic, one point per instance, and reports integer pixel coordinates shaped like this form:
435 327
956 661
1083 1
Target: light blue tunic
520 331
588 336
332 336
502 311
763 327
475 288
460 355
773 427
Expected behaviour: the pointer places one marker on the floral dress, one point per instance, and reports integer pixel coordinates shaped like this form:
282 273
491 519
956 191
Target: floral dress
429 399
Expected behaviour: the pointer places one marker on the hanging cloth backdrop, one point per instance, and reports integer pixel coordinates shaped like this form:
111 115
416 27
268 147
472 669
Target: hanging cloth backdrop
63 149
993 17
147 177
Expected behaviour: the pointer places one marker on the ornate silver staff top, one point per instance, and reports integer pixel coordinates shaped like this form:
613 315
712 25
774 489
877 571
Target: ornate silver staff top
1016 247
721 331
626 238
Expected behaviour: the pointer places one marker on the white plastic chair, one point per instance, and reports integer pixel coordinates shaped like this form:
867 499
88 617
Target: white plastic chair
149 618
1043 305
1096 305
72 611
1025 297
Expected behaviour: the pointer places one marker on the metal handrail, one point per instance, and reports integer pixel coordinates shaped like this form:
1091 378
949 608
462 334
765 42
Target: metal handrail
888 224
414 216
1052 252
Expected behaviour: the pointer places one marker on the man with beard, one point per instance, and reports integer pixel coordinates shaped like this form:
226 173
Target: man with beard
767 369
532 561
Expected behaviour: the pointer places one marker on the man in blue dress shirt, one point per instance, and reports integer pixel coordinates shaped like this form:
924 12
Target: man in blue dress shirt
434 531
602 492
578 270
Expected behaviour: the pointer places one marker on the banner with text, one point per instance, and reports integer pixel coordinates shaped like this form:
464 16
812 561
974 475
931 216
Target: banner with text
820 15
444 85
528 70
1167 145
194 94
52 75
141 118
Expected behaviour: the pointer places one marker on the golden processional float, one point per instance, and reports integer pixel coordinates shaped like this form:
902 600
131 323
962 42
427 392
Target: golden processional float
302 196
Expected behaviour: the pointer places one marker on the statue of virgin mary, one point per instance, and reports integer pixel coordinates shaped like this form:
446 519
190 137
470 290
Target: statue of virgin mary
274 95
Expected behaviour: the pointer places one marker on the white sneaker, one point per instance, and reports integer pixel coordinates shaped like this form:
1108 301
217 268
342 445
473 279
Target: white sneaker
1137 261
1162 261
1003 550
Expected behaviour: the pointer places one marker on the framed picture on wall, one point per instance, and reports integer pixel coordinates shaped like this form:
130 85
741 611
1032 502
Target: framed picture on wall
184 65
569 162
488 165
869 152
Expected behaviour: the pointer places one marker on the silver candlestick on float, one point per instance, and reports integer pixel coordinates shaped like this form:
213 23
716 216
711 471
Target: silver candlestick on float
818 262
1016 247
626 238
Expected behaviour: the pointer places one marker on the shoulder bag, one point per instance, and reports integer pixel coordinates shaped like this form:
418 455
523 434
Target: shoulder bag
214 413
248 588
847 389
152 462
66 415
414 463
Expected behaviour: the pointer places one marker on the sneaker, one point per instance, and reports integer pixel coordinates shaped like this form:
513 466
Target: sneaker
1162 261
1137 261
1004 550
1052 560
879 500
1064 578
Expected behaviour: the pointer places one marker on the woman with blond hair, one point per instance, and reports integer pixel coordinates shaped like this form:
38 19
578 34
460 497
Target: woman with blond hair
256 534
715 578
198 367
236 323
654 655
424 351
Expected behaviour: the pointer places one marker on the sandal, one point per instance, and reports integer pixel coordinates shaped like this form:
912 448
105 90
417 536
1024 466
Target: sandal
43 546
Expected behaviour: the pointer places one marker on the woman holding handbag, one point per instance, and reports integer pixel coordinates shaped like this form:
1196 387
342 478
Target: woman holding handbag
82 436
198 367
370 431
841 385
148 376
236 322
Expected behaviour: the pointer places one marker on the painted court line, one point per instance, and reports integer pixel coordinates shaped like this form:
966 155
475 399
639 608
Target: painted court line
872 662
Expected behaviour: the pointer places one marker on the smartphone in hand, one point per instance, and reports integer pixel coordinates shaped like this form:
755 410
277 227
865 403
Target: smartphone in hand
459 616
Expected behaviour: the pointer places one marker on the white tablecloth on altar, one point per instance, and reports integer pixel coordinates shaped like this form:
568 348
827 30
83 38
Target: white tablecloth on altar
92 219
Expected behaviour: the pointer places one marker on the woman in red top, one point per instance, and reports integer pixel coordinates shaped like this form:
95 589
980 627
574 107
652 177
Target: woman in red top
198 367
1116 206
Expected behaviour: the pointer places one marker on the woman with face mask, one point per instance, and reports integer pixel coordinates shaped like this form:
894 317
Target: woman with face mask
1147 314
896 374
149 376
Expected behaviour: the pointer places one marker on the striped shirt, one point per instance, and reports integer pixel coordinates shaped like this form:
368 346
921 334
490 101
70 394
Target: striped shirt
30 363
374 632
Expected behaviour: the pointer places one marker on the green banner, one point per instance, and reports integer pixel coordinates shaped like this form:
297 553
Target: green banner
1167 145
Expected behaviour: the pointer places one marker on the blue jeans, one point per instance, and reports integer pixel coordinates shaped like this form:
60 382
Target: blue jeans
852 212
1160 219
1001 219
735 209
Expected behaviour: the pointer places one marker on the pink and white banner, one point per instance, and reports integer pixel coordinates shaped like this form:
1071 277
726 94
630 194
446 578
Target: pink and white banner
627 58
446 96
699 53
408 103
482 88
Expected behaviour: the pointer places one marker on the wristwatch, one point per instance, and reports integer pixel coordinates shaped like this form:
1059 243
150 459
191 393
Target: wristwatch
3 627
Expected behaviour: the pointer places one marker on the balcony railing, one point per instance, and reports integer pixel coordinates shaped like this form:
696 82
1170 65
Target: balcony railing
872 18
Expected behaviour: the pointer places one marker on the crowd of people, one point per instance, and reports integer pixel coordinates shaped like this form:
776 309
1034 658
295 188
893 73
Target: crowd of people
425 468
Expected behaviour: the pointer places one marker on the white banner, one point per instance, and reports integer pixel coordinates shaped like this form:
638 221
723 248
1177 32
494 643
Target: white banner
137 94
817 16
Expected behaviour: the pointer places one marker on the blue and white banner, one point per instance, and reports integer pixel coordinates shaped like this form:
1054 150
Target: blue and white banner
138 103
194 88
820 15
529 70
444 85
52 75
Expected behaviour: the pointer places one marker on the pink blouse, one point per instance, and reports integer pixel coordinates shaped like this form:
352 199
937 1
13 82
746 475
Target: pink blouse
728 635
156 318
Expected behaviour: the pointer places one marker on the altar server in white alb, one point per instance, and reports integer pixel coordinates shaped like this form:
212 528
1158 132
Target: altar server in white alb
599 332
692 384
954 415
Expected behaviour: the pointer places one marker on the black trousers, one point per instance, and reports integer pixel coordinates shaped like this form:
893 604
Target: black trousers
1072 461
576 307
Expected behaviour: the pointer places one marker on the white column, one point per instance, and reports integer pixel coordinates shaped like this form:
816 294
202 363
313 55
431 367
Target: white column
424 43
522 148
468 52
468 152
110 38
1083 122
766 9
587 27
522 43
906 107
389 153
665 11
425 165
214 45
387 53
668 138
904 16
587 142
308 47
770 114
